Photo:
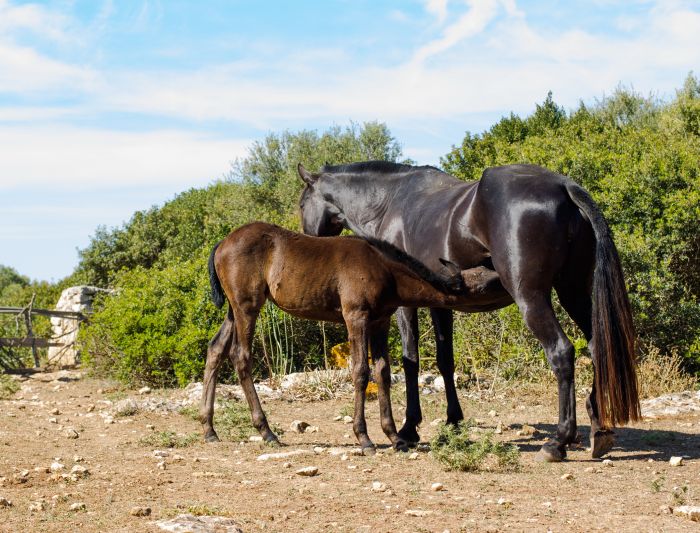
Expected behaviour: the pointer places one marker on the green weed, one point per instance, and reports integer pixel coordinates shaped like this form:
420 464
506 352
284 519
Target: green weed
8 387
169 439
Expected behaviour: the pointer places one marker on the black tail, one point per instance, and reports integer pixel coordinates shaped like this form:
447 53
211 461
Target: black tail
613 330
217 292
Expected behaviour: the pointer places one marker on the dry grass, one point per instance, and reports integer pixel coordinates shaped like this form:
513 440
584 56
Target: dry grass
663 373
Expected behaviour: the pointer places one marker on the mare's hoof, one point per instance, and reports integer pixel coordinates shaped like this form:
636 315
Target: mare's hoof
602 442
211 437
401 446
550 454
369 450
410 436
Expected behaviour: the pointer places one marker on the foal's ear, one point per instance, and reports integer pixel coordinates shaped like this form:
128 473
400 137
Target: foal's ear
305 175
452 269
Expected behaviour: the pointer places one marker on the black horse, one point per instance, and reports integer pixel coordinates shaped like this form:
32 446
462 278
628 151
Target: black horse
538 230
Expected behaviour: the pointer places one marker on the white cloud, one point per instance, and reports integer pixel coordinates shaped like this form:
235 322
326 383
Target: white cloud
35 18
98 159
437 8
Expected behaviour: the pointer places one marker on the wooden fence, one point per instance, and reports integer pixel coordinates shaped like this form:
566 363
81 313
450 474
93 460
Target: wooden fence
30 340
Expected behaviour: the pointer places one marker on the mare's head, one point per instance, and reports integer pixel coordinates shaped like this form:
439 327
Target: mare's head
318 215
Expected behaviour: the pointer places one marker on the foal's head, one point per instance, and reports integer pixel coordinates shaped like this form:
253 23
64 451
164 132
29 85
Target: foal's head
318 216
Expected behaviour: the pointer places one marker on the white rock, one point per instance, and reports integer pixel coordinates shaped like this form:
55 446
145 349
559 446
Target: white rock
255 438
4 502
499 428
492 413
38 506
378 486
312 429
567 476
161 465
53 420
347 419
160 453
437 487
283 455
287 465
78 459
438 384
688 511
140 511
308 471
413 456
319 449
71 433
199 524
417 512
80 471
57 467
503 501
78 506
145 390
337 418
676 461
437 422
299 426
608 462
55 411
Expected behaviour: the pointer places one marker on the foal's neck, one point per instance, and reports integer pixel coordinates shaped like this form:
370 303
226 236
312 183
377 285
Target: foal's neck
414 291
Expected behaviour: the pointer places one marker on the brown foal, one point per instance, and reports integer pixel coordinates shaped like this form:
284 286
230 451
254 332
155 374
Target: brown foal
336 279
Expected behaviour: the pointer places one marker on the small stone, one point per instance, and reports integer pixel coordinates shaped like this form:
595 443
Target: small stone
90 408
140 511
150 426
282 455
79 471
71 433
499 428
437 422
589 469
108 420
56 466
503 501
312 429
676 461
160 453
55 411
608 462
4 502
337 418
299 426
527 431
413 456
77 506
417 512
378 486
177 458
308 471
38 506
161 465
344 457
366 470
287 465
145 390
53 420
347 419
78 459
689 511
319 449
568 475
437 487
492 413
255 438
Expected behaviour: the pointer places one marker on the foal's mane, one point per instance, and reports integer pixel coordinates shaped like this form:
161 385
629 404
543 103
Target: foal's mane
379 167
448 284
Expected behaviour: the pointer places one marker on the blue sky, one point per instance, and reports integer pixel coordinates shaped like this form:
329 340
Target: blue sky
107 107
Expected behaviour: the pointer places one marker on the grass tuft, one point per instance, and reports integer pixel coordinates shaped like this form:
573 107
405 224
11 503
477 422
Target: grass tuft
169 439
8 387
455 450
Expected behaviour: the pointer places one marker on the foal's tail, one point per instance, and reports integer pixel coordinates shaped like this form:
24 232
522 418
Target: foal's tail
217 292
616 395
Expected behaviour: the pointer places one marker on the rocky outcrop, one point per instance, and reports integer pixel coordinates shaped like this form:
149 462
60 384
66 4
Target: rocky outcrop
65 330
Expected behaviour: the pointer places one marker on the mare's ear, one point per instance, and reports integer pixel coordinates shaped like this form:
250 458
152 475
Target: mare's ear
305 175
452 269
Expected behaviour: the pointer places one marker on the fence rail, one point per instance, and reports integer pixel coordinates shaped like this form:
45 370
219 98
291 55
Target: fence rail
31 341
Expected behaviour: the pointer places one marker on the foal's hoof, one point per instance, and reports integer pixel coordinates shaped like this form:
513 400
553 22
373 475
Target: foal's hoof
272 440
410 436
211 437
601 443
550 454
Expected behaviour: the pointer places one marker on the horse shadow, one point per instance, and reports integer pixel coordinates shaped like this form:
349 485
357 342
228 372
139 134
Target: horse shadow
656 444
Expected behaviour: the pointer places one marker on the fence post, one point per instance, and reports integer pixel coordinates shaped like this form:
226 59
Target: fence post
30 332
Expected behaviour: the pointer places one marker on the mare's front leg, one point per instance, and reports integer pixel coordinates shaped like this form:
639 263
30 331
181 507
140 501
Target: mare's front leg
356 323
219 345
407 320
443 324
245 330
382 374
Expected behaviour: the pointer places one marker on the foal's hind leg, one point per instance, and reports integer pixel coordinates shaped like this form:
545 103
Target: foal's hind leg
382 375
356 323
245 330
219 345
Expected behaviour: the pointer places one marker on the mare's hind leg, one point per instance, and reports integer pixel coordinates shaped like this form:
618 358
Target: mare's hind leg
443 324
218 347
575 297
356 323
539 316
382 374
245 330
407 320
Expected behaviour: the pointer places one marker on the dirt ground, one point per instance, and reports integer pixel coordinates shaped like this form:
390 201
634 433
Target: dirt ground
226 479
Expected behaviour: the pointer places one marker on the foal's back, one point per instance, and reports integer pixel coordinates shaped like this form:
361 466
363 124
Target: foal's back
310 277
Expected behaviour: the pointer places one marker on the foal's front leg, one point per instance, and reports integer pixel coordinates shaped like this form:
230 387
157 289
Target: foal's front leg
382 375
358 337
